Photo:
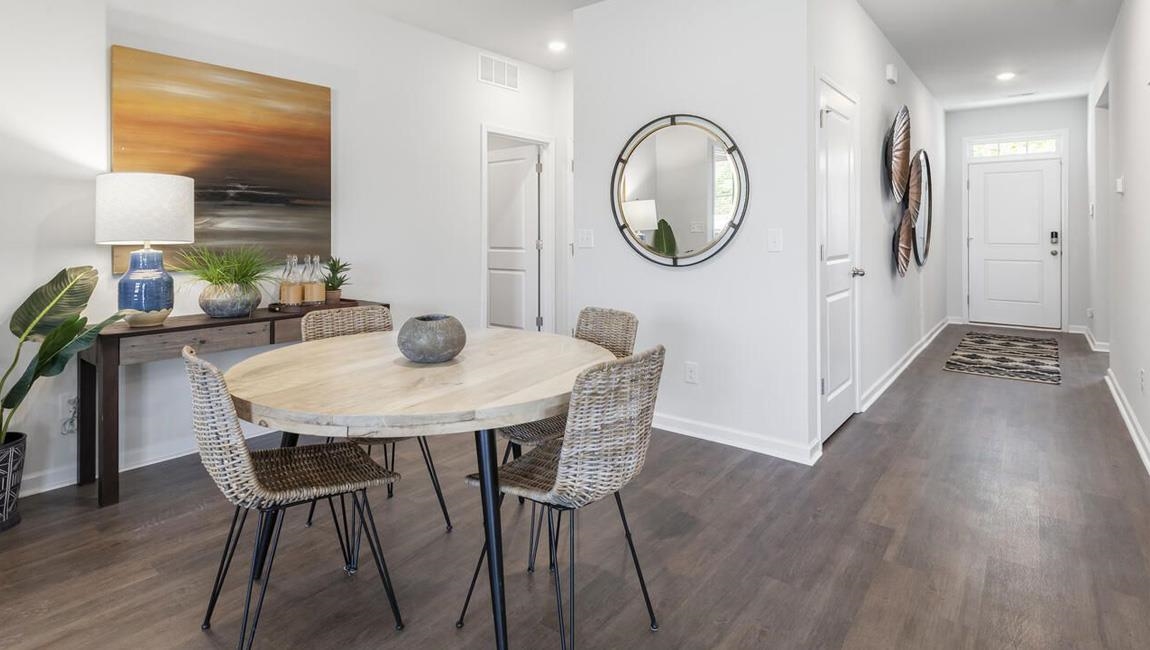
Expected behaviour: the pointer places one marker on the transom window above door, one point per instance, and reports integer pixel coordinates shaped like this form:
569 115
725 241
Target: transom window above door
1015 147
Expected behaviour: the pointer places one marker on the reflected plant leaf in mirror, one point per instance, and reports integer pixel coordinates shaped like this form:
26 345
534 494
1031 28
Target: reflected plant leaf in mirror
664 243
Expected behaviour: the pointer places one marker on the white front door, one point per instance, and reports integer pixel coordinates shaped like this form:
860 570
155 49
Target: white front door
1016 243
837 215
512 233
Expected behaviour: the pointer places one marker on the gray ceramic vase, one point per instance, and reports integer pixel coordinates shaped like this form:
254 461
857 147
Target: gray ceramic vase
432 338
229 300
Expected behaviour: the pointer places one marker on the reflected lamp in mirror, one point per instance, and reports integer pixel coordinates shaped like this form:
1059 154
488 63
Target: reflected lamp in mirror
694 172
143 208
641 216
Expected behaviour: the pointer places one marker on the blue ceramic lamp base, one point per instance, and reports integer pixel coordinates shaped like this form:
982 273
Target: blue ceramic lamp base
147 289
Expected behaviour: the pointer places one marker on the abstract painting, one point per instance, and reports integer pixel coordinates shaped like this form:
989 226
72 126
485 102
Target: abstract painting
258 147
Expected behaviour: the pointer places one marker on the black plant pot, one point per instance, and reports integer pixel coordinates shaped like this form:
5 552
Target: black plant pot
11 469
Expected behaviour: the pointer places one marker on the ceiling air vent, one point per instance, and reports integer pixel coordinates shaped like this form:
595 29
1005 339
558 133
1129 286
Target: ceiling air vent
498 72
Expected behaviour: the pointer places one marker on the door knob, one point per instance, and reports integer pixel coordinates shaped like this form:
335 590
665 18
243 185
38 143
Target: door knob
856 272
1054 253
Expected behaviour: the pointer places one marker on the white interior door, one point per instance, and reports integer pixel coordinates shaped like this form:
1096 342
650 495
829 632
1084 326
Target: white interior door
512 232
837 214
1016 243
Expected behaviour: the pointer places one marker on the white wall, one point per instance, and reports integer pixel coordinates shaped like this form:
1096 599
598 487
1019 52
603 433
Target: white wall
1126 69
53 141
1068 114
743 315
406 165
897 314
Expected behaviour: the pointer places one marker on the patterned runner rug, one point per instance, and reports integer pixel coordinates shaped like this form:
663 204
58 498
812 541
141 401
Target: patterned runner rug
1007 357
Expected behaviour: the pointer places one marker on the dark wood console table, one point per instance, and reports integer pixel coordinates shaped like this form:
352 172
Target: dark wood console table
98 392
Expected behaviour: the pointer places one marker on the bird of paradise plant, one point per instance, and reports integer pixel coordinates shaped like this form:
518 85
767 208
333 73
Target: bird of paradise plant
50 316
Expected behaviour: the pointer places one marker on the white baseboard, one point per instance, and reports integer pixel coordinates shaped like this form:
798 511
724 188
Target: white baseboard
58 477
1141 442
1095 344
871 395
48 479
741 439
955 320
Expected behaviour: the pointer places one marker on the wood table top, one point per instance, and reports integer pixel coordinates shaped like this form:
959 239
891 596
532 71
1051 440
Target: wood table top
362 386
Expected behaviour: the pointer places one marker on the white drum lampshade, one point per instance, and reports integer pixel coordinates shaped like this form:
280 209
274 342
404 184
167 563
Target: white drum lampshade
138 208
641 215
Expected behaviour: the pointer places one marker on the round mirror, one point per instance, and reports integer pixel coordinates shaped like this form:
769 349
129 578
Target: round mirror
919 204
679 190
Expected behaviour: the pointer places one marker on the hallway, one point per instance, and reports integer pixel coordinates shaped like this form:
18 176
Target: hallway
958 512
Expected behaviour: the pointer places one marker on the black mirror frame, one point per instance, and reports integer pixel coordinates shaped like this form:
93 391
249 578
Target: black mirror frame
732 229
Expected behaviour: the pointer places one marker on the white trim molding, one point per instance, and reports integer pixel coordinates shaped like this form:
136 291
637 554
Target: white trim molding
748 440
874 392
880 387
1095 344
1137 433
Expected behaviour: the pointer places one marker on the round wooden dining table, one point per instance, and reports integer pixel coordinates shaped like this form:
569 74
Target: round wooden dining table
361 386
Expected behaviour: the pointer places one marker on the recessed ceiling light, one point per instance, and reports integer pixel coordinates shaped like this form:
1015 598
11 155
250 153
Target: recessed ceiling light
556 46
1005 76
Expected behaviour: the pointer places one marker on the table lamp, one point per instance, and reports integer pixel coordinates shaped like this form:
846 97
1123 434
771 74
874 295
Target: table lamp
142 208
641 216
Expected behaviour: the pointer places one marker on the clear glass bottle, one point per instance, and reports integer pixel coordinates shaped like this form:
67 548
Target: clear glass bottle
313 292
291 290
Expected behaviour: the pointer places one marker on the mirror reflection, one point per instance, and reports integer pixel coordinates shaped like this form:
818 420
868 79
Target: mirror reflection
680 191
920 171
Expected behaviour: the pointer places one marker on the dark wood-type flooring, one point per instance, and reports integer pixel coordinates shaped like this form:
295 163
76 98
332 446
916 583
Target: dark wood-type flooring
958 512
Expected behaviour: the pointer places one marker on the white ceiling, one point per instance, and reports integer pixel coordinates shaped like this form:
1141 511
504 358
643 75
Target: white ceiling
958 46
519 29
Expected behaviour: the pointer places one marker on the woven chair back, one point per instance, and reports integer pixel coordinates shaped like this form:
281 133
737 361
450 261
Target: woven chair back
608 427
328 323
608 328
223 450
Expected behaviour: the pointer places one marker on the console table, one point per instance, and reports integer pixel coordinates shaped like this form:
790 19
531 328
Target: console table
98 391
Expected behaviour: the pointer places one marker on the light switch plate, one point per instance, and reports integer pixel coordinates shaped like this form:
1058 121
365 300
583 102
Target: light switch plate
1120 185
774 240
586 238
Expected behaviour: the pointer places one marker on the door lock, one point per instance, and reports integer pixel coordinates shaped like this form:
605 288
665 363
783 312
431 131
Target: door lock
856 272
1054 253
1054 237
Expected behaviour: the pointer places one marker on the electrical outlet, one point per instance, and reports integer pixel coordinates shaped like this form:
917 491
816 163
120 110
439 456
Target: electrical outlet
1142 381
68 415
691 372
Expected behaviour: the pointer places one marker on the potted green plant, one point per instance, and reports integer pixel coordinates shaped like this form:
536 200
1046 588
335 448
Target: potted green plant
234 277
335 278
51 317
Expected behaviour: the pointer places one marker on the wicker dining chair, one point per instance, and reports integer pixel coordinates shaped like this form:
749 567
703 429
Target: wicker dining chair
271 480
608 328
603 448
330 323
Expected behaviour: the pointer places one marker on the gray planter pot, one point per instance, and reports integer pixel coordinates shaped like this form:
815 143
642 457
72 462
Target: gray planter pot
11 470
433 338
229 300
